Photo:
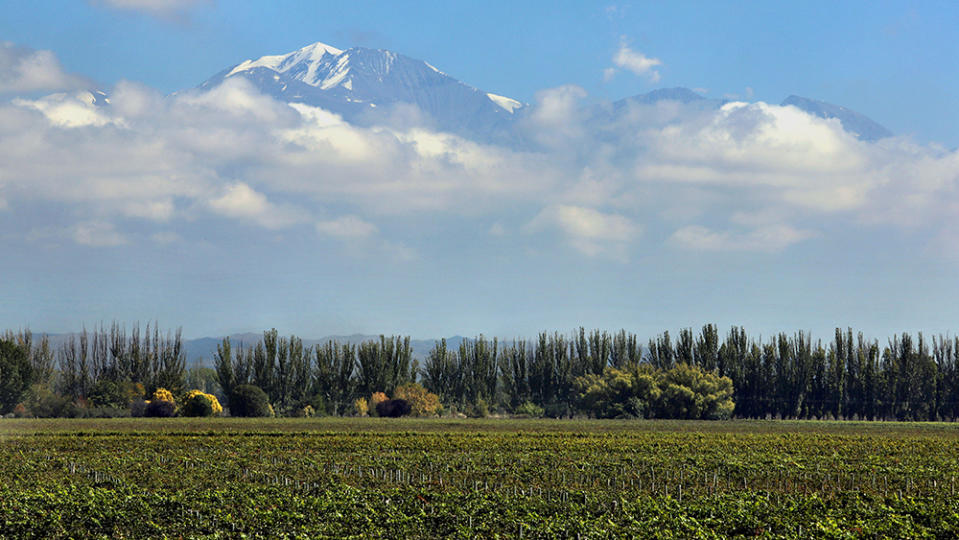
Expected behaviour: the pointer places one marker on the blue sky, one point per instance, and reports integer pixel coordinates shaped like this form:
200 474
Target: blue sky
127 217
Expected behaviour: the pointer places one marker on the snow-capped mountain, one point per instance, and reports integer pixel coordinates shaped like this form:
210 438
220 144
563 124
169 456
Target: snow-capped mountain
366 85
864 128
371 86
858 124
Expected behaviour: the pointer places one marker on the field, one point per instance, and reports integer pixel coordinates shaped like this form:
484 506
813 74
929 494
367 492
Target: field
307 478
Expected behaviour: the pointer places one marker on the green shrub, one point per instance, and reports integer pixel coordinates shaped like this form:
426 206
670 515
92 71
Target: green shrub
197 407
249 400
107 394
198 403
530 410
478 410
42 402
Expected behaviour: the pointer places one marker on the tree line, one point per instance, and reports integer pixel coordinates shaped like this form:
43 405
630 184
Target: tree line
594 373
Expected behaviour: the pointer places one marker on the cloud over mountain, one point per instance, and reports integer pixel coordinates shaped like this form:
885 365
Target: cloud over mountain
669 171
24 70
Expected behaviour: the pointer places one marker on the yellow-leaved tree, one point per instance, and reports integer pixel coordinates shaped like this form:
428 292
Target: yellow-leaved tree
422 401
361 406
198 403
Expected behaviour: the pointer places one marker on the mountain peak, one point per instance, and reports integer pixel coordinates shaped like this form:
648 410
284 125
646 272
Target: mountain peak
362 85
859 124
311 55
679 93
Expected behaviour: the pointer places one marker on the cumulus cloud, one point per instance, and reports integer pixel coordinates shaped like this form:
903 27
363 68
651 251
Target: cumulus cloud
164 9
588 230
68 110
556 120
240 201
584 177
25 70
634 62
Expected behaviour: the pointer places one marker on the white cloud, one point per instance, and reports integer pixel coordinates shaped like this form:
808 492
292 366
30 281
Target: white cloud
556 119
768 238
26 70
68 110
164 9
588 230
231 152
97 234
346 227
242 202
635 62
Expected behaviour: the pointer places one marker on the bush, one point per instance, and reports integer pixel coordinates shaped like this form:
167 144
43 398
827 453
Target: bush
15 373
530 410
375 399
480 409
305 412
20 411
160 408
42 402
393 408
250 401
198 403
422 401
138 408
163 394
361 406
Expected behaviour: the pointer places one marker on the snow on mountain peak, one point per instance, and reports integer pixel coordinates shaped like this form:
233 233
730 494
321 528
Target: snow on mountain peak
509 104
312 54
353 82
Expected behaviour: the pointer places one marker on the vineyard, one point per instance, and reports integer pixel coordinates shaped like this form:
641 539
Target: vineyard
302 478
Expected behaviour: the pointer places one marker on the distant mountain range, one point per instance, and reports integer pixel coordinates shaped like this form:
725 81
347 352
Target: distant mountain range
366 86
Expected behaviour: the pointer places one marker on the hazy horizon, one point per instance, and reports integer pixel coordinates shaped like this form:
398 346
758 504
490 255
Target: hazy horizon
231 209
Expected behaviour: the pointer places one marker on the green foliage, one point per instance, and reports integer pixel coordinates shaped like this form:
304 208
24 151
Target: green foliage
42 402
363 478
684 391
107 393
847 377
688 392
333 378
16 373
202 378
480 409
528 409
617 393
250 401
198 403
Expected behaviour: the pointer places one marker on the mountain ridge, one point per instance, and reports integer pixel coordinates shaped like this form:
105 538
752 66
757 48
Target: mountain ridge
363 86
